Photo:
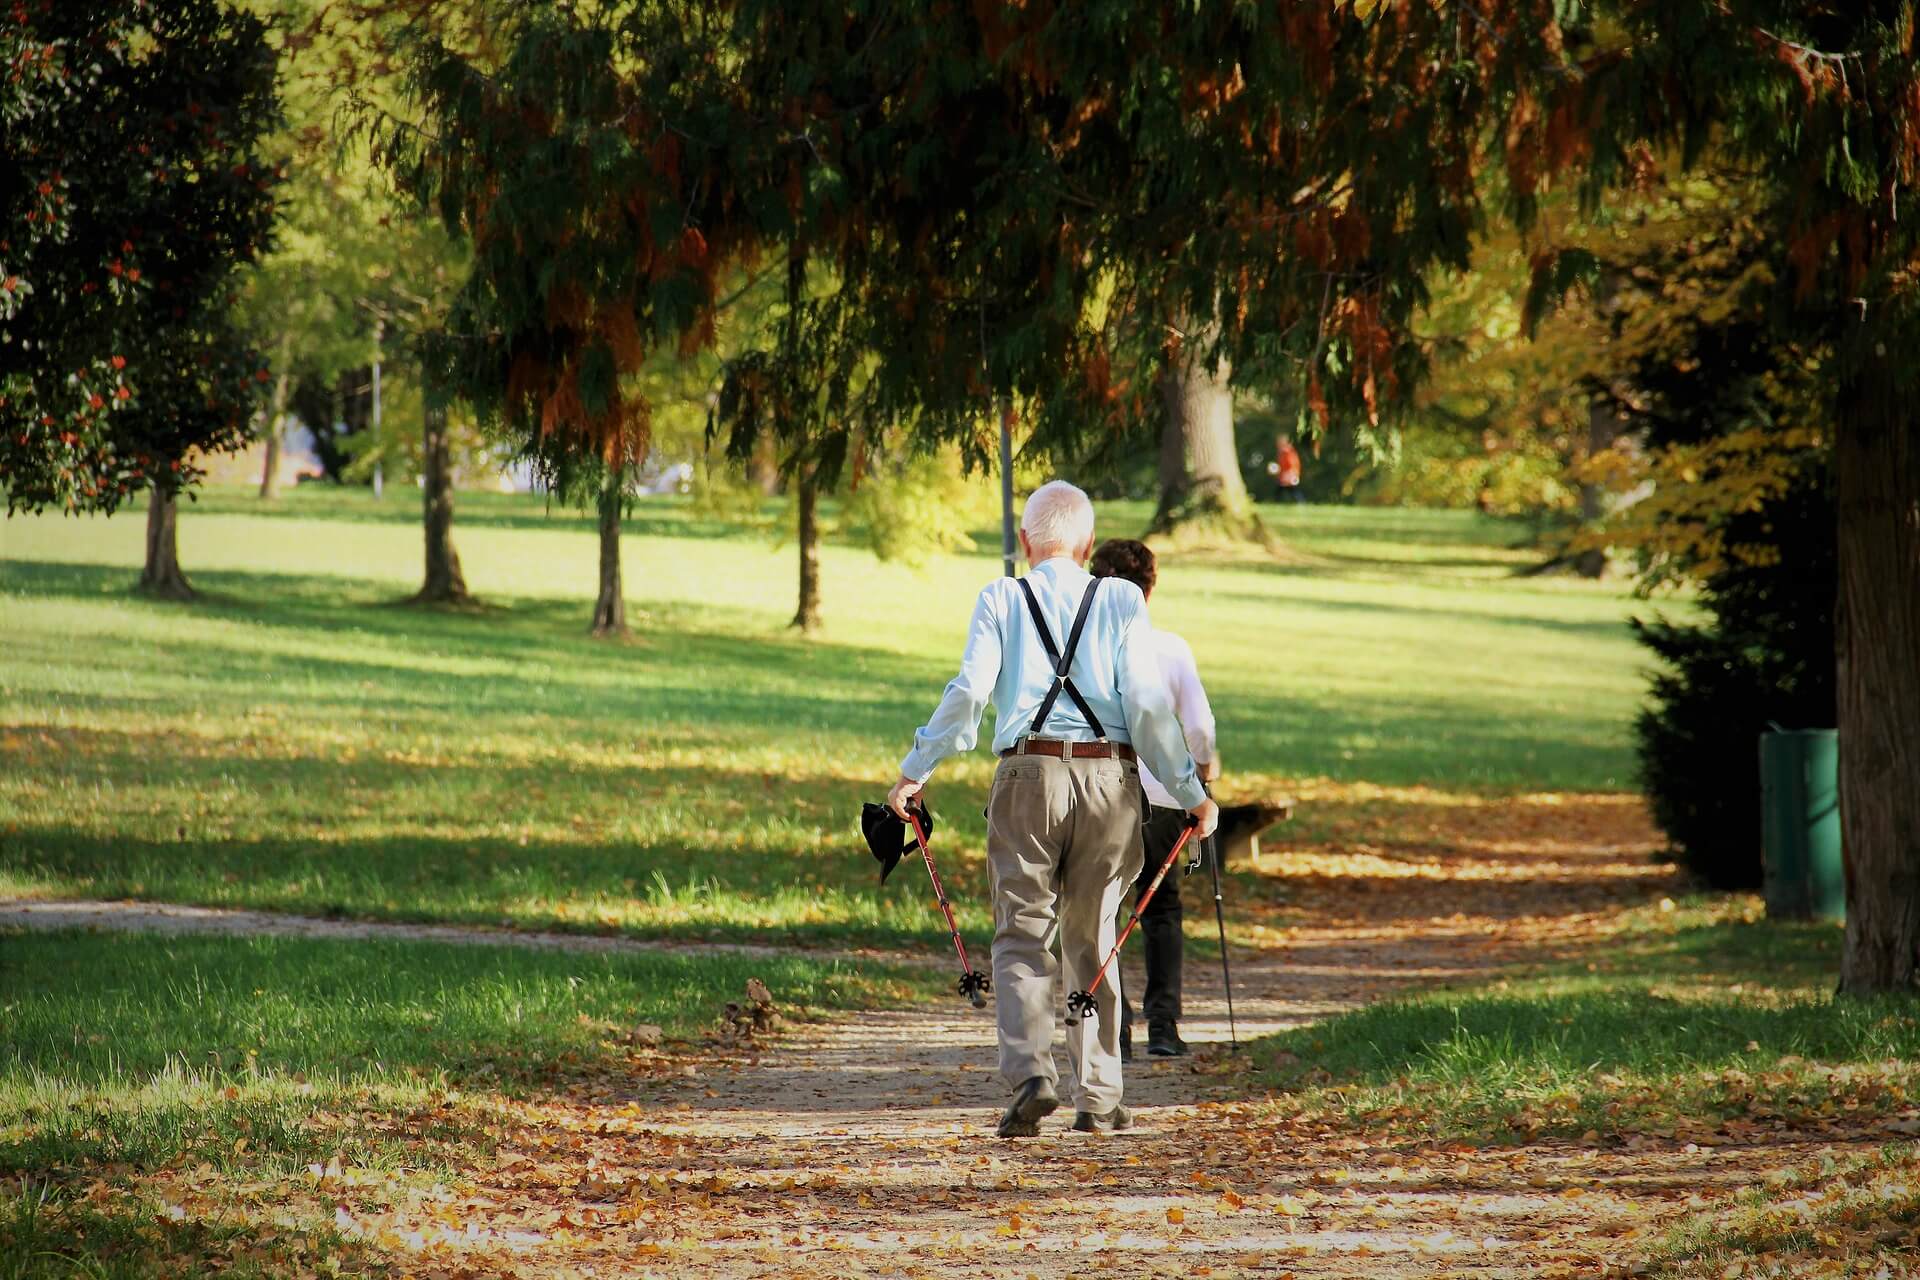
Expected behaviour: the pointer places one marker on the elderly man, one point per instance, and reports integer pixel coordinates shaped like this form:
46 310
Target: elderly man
1069 664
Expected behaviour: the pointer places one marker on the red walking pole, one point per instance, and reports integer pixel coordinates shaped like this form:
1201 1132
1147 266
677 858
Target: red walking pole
1080 1003
973 984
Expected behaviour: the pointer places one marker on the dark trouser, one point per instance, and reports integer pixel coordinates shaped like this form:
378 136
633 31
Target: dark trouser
1160 922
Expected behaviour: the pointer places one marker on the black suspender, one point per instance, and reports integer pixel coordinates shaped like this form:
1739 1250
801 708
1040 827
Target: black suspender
1062 662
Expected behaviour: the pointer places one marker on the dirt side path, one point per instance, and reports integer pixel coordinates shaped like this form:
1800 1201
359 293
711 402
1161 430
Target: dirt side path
165 917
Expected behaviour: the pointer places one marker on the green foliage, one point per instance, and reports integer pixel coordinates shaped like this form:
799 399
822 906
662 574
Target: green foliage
1764 657
1025 219
132 185
921 506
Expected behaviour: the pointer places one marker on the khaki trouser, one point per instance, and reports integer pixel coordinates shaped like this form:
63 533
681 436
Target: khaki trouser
1063 842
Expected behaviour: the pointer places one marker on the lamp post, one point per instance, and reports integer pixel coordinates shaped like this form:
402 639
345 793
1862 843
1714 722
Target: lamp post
1006 483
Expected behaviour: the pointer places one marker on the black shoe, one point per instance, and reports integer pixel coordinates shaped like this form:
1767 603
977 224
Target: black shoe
1111 1122
1033 1102
1126 1044
1163 1041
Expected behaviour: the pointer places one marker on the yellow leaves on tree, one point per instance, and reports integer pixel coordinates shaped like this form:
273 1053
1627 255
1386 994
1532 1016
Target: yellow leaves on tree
1680 496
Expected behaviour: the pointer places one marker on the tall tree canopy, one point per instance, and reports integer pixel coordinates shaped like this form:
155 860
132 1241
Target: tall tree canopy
1822 102
1060 202
131 187
1011 200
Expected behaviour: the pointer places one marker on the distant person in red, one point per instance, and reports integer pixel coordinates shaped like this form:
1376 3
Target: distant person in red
1285 470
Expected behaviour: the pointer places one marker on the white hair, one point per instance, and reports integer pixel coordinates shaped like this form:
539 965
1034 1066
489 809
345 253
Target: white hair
1057 517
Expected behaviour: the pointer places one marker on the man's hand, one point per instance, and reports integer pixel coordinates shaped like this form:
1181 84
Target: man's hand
1210 770
903 791
1209 814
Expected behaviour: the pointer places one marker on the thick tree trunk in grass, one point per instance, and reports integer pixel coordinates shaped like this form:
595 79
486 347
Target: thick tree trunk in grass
807 496
445 583
763 467
162 576
1603 428
610 610
1201 489
1877 452
276 425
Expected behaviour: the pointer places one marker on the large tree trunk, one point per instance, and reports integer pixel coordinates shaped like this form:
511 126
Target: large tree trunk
806 492
162 576
1878 647
1201 489
276 424
610 610
445 583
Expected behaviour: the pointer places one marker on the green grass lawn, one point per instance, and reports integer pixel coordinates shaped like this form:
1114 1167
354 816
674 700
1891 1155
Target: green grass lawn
300 742
128 1050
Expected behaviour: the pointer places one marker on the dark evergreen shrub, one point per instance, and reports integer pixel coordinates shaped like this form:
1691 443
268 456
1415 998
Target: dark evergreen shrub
1766 657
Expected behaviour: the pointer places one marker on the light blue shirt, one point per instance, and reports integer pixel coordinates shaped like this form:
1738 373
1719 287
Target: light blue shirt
1116 669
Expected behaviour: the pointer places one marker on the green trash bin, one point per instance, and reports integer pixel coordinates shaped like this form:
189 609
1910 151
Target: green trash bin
1800 824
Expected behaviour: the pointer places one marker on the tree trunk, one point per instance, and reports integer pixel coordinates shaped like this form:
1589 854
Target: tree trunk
162 576
763 467
1604 425
1201 489
610 610
806 492
1877 452
444 584
276 423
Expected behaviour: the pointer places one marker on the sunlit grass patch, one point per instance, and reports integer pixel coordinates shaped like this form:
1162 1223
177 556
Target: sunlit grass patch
1711 1027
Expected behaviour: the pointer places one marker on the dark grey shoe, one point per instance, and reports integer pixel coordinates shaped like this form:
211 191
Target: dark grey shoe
1163 1041
1032 1102
1110 1122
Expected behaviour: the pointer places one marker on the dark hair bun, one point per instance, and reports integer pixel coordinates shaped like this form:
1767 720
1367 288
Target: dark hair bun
1126 558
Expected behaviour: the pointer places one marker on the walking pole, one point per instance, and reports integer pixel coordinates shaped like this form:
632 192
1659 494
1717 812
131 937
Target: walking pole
1080 1003
1220 916
974 985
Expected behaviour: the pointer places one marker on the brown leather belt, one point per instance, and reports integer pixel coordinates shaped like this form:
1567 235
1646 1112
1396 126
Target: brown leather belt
1060 749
